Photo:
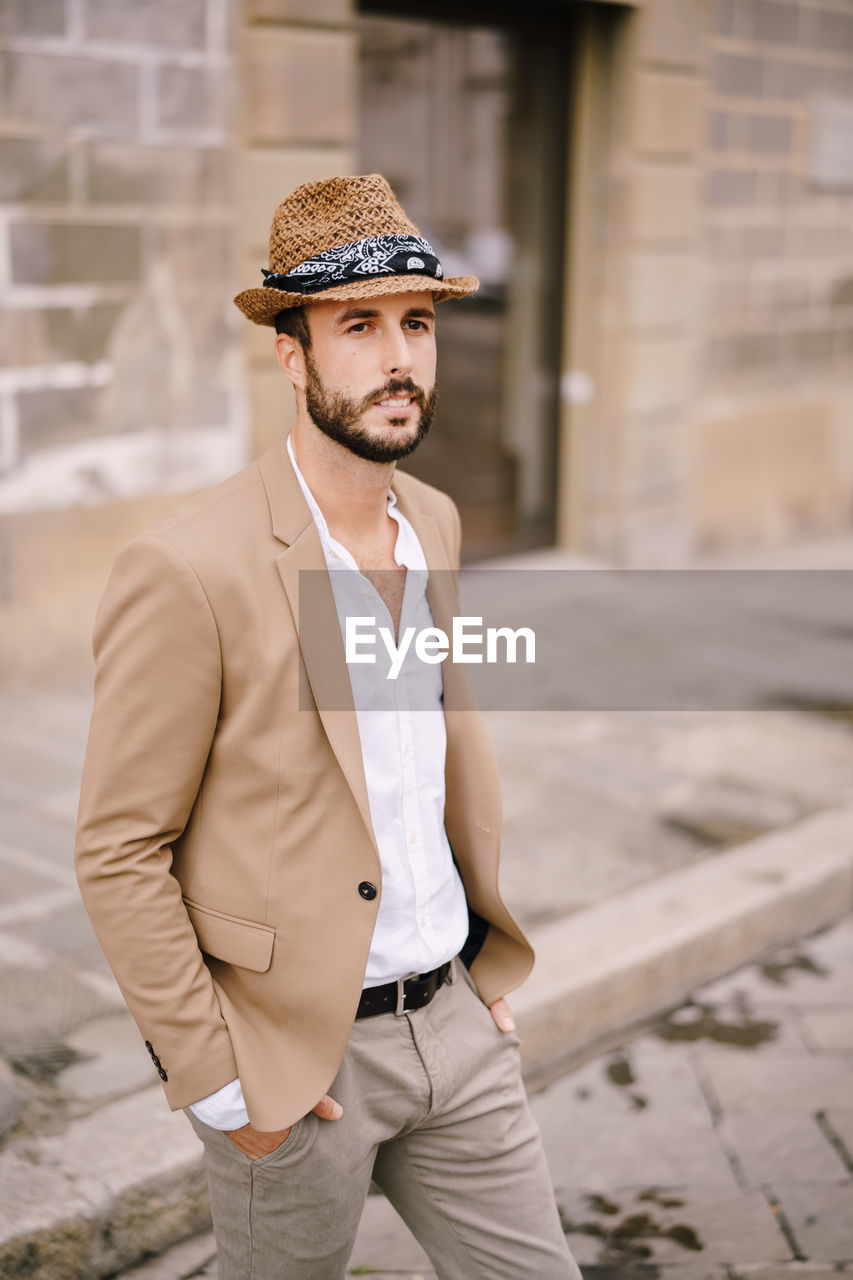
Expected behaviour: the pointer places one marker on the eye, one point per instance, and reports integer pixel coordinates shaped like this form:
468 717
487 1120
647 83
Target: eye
418 326
361 326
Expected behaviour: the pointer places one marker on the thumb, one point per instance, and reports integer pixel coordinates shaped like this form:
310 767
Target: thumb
328 1109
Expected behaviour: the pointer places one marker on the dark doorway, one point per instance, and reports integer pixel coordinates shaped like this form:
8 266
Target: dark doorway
466 119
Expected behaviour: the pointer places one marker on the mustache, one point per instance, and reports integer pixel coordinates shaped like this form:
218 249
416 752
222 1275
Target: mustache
396 387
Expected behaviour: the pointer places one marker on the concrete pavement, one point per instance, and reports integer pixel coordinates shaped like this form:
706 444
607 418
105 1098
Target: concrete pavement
716 1145
646 853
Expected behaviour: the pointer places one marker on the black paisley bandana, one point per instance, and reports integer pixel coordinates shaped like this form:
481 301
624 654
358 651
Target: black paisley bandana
396 255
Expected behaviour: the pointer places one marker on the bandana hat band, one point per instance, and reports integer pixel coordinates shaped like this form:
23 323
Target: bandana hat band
397 255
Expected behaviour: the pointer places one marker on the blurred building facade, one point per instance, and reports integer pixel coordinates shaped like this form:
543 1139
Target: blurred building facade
657 197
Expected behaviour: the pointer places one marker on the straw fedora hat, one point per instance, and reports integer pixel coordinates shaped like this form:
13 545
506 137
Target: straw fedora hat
345 238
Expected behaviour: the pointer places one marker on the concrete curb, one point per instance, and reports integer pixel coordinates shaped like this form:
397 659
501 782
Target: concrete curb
127 1180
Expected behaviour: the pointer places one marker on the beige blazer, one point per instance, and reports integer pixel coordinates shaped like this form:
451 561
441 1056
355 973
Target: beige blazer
223 828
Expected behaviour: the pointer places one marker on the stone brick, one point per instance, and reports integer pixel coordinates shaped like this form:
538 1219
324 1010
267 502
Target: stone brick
56 333
68 253
71 92
147 22
157 175
664 203
196 256
661 290
57 416
670 31
316 12
770 133
191 98
721 15
739 74
658 374
760 474
32 169
767 1143
26 18
668 113
821 1219
810 348
299 86
266 177
832 31
775 22
730 187
802 79
654 462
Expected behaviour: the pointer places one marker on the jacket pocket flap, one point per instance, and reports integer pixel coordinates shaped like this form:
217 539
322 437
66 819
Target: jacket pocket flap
231 939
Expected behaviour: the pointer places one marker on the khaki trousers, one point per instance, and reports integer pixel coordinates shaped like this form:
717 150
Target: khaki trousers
436 1113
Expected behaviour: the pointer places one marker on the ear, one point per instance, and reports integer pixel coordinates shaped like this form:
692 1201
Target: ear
291 359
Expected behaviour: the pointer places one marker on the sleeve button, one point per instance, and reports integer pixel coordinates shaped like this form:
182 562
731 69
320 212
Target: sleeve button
367 890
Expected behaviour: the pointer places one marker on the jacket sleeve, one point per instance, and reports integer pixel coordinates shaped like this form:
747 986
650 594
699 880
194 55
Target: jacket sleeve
157 694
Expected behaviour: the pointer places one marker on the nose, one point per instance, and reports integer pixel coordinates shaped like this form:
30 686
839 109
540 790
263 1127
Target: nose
397 358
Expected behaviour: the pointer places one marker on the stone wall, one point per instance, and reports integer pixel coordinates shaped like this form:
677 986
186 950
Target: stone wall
117 237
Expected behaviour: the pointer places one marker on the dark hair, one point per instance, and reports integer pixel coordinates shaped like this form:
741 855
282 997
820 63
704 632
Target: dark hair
294 322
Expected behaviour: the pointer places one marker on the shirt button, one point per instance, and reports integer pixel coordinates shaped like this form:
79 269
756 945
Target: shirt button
413 839
367 890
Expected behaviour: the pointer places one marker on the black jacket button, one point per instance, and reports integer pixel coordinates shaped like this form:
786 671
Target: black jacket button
367 890
162 1074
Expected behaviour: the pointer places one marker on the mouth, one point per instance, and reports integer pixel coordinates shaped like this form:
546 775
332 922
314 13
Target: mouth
395 402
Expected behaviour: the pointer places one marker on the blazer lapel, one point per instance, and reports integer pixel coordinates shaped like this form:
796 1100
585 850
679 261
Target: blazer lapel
305 578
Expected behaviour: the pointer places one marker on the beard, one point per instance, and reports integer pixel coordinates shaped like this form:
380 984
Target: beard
339 416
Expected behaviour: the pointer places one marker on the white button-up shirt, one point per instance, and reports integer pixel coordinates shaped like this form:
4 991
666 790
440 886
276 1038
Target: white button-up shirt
423 915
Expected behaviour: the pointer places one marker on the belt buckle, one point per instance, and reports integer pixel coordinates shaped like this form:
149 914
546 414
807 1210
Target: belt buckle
401 994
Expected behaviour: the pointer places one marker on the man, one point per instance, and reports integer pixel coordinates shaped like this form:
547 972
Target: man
282 877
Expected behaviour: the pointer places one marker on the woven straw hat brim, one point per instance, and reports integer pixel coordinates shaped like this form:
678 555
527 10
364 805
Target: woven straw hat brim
263 305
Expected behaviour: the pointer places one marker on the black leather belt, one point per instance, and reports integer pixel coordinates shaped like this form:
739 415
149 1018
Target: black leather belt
404 995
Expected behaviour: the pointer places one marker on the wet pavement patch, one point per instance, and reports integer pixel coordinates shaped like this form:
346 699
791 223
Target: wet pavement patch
777 971
624 1240
696 1021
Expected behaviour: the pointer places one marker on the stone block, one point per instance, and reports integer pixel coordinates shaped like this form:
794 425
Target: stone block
654 462
730 186
774 22
159 22
782 1083
832 30
832 1030
56 333
770 133
315 12
24 18
71 253
56 416
763 473
671 31
299 86
196 259
741 75
659 374
664 202
821 1219
191 98
661 290
33 169
668 113
266 176
721 17
71 92
773 1146
158 175
801 80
